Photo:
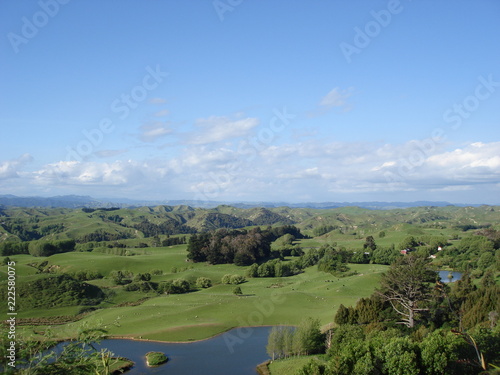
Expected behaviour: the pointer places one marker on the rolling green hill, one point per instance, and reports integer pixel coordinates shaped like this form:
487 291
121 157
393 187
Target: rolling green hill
24 224
139 244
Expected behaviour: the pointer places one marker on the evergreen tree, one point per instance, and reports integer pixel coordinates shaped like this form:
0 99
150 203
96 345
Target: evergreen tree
406 286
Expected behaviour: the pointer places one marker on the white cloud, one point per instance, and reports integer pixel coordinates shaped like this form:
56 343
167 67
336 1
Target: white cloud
315 169
203 157
384 165
455 170
337 98
312 172
150 132
11 168
474 155
157 101
162 113
89 173
109 153
219 128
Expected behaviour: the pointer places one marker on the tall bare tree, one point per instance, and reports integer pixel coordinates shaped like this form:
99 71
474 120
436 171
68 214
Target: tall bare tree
407 286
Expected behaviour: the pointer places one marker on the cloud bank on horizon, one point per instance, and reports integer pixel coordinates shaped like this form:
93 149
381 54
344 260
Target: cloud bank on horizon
266 102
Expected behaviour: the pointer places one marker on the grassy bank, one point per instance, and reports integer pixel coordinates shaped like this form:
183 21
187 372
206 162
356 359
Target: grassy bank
203 313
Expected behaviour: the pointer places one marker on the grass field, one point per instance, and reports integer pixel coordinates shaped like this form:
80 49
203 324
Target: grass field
203 313
290 365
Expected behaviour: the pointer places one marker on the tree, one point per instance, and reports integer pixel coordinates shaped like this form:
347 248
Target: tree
142 277
308 338
181 285
313 367
384 255
203 282
342 316
275 343
370 243
266 270
440 352
237 279
406 286
237 291
332 261
252 270
118 277
78 357
401 357
408 243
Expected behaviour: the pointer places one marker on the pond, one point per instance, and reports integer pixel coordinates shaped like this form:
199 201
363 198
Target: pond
444 275
237 351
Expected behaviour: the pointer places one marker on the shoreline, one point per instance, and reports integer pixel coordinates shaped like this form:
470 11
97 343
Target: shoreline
181 342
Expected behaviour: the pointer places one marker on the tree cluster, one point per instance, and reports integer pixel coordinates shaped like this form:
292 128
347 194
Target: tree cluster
172 241
46 248
442 329
241 247
474 252
13 248
18 227
177 286
274 268
286 341
58 290
203 282
232 279
101 235
357 350
168 226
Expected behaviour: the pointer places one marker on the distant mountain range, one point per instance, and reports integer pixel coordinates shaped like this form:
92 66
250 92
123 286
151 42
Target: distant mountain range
78 201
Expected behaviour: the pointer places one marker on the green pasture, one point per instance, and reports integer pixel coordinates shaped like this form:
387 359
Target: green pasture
354 240
203 313
290 365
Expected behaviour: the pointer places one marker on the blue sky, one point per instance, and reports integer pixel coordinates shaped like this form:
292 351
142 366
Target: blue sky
240 100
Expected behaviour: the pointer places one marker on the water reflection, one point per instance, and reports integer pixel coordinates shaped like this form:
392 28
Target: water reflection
229 353
445 276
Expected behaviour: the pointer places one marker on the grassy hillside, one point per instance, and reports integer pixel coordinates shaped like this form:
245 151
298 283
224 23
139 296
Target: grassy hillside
133 246
205 312
30 223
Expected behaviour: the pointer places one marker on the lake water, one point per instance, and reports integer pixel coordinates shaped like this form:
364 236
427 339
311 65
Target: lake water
237 351
444 276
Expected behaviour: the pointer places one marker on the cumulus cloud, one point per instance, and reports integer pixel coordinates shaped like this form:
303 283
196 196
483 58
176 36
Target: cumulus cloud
475 155
220 128
444 170
11 168
204 157
89 173
373 168
314 170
